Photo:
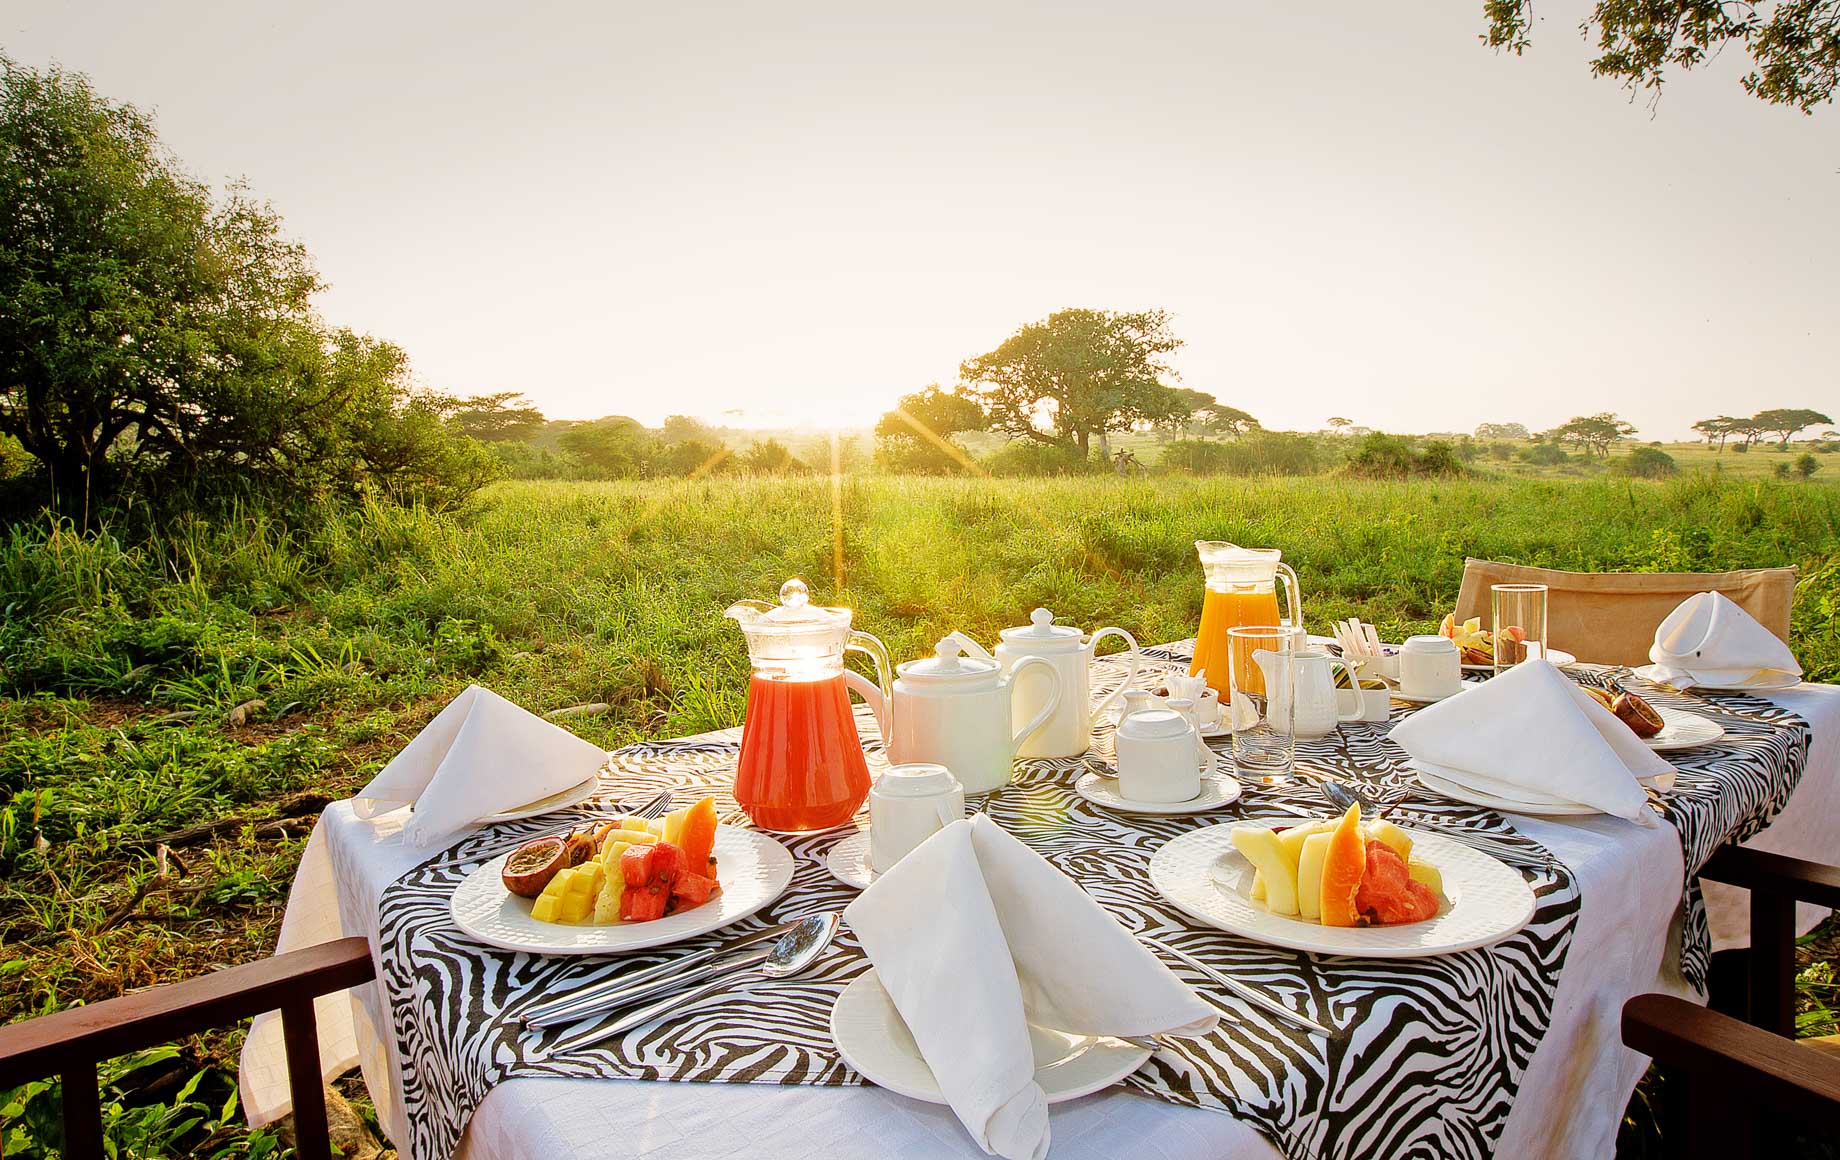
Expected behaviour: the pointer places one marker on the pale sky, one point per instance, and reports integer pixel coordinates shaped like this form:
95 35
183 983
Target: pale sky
805 210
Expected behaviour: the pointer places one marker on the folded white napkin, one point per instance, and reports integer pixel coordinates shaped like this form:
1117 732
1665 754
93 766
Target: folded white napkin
480 756
1710 640
1006 940
1531 735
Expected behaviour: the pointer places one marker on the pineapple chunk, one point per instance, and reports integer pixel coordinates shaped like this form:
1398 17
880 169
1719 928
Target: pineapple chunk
613 888
1426 873
548 907
674 826
1393 836
1262 849
626 838
1309 875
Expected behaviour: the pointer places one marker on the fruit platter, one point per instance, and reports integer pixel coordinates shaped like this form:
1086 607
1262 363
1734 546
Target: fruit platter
1340 872
1378 890
622 884
629 869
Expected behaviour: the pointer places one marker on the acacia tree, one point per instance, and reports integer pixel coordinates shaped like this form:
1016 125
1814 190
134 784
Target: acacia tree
504 417
1082 373
1794 45
1719 427
1502 431
1786 422
1594 434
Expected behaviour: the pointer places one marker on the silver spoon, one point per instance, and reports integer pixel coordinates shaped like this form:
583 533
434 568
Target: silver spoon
797 949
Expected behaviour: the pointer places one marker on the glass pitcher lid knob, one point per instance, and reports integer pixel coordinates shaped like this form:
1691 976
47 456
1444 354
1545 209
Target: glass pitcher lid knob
793 593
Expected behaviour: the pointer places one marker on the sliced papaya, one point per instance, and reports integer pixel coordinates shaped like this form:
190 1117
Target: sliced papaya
1344 865
699 836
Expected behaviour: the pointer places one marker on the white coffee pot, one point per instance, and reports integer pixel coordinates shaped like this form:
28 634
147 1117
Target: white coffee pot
1068 732
1300 691
957 707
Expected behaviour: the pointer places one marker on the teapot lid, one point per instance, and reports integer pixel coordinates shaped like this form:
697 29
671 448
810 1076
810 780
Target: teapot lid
955 658
1041 628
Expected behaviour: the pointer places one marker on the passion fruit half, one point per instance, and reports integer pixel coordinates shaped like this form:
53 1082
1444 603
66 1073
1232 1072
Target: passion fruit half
533 864
581 846
1639 715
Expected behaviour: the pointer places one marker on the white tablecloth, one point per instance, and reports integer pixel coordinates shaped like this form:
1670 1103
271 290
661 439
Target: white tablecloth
1570 1103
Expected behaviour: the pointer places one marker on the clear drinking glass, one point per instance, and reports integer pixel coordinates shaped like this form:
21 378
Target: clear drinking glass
1517 614
1264 750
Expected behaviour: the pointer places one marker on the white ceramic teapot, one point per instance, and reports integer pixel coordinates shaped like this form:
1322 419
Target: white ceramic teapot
1068 732
1303 683
956 708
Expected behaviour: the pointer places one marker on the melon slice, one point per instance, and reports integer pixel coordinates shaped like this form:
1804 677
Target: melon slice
1344 863
1262 848
1310 874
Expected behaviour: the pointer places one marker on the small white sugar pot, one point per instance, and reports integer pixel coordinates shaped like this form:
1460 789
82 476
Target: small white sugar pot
907 805
1156 757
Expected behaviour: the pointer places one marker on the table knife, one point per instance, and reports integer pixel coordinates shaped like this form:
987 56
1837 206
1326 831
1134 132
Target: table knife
1249 994
596 994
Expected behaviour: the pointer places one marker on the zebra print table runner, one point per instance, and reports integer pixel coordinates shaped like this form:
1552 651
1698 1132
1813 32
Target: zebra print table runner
1428 1061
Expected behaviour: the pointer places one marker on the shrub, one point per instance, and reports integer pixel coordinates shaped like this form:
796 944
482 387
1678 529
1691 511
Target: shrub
1781 471
1544 455
1805 465
1027 457
1258 453
1648 463
1740 448
1381 456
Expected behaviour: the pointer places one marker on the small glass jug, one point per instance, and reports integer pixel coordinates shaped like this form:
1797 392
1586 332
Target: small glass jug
1242 590
801 766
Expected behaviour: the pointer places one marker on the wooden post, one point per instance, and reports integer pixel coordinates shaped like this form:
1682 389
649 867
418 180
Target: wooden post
1773 963
300 1035
82 1111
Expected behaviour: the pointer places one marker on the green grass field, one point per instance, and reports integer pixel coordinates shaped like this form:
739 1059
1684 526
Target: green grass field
237 665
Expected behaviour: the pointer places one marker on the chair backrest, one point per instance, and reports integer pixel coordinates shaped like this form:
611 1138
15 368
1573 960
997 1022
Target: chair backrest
1610 617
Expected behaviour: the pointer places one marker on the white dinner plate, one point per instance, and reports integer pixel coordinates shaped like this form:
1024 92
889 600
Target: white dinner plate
1479 797
848 861
1683 731
873 1039
1216 791
572 796
753 870
1205 877
1773 685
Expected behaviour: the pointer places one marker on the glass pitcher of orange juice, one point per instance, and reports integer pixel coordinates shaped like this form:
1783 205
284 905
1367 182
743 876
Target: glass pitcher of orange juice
801 765
1242 589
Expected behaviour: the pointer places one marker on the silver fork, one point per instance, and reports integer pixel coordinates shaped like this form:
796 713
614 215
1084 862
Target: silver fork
657 807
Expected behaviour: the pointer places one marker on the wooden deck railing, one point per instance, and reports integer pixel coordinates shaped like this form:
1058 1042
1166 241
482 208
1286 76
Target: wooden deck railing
71 1042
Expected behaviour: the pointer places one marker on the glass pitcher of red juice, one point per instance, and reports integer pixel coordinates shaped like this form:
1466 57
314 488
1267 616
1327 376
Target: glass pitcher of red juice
802 765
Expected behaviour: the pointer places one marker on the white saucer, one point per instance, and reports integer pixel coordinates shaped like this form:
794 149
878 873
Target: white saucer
1683 731
1777 685
873 1039
848 861
1399 695
1216 791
